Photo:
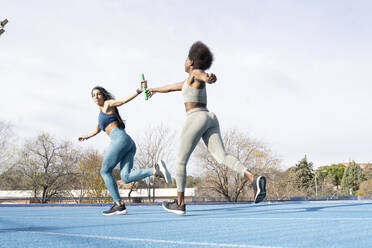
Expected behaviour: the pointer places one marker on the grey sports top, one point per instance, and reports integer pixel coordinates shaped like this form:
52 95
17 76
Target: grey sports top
191 94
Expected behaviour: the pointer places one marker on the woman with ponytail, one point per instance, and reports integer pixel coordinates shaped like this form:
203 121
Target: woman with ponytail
121 149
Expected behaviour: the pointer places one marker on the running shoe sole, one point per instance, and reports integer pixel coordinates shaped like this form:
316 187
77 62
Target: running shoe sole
117 212
179 212
261 189
163 169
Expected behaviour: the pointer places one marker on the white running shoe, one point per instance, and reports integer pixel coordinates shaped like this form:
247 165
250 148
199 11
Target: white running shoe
259 188
162 171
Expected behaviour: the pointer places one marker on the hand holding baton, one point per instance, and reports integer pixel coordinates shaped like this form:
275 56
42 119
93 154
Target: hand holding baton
144 88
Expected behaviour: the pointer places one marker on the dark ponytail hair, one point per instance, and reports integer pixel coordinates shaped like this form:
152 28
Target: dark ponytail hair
108 96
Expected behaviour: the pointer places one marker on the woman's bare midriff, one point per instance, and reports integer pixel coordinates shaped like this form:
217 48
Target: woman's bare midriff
111 126
191 105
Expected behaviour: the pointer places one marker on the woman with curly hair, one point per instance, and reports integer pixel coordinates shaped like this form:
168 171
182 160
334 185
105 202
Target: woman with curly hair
121 149
201 123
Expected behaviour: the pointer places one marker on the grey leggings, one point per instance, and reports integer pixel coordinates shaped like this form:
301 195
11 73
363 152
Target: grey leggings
200 123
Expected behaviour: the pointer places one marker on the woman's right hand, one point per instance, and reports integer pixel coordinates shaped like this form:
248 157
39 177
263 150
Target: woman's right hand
150 92
143 85
82 138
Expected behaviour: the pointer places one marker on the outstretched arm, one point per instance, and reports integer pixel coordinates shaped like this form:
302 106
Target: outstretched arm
93 133
121 101
165 89
209 78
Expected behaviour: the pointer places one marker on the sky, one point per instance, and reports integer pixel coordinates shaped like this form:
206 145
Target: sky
293 74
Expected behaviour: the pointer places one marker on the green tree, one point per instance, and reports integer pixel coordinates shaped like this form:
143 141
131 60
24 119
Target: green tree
353 176
334 171
304 175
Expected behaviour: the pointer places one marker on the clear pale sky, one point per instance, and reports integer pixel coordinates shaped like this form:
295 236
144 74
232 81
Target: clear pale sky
293 74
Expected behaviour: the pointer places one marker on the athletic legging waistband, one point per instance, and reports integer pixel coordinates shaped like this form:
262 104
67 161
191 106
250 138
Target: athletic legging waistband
193 110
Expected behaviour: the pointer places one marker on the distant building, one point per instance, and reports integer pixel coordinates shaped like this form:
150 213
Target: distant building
142 195
361 165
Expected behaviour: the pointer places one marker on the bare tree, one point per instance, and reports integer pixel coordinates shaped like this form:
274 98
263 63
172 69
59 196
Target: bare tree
12 179
133 187
225 182
48 165
89 180
6 139
155 143
276 186
283 184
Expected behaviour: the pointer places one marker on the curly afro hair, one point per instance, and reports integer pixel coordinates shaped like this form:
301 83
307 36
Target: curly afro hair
200 54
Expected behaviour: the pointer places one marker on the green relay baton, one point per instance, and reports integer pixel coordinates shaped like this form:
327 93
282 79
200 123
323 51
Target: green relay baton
143 88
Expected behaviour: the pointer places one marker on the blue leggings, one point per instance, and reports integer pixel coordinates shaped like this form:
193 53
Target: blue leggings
121 150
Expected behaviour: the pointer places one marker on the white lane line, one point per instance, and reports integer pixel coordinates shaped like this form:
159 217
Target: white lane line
279 218
155 240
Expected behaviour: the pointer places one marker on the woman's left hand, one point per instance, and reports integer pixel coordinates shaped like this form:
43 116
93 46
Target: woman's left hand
211 78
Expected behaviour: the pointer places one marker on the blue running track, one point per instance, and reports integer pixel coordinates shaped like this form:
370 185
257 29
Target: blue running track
285 224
